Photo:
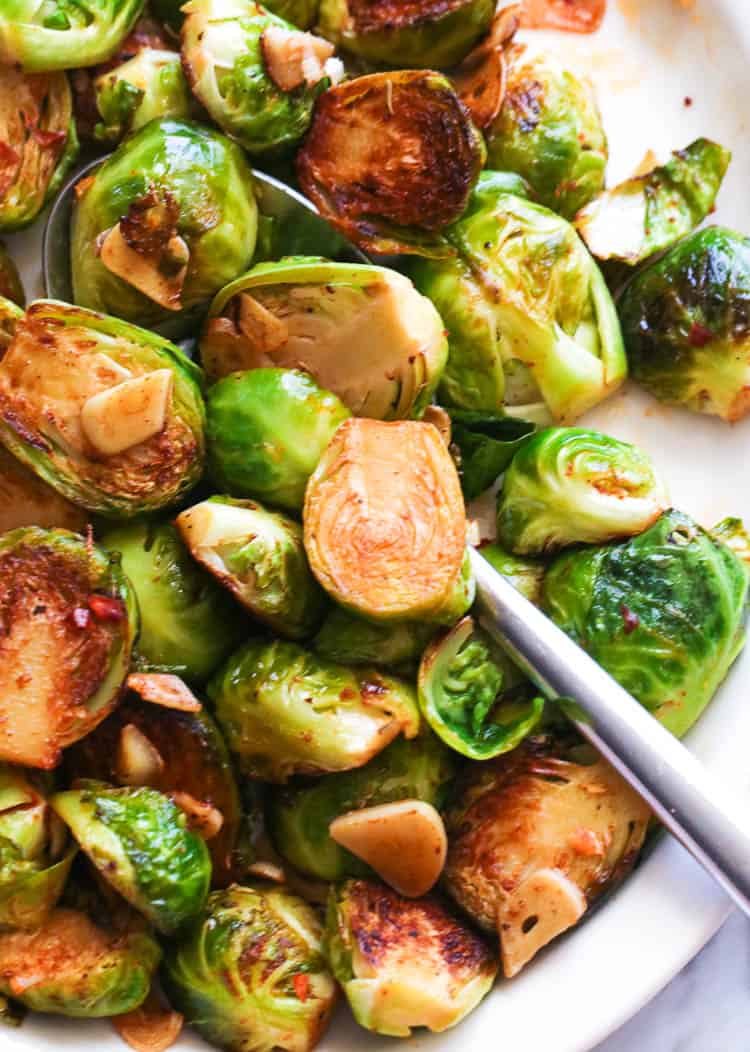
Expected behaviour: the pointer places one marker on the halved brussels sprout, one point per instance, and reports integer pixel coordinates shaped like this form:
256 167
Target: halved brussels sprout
109 415
353 641
267 429
483 443
613 601
11 287
534 836
385 527
165 223
686 323
430 34
38 142
188 623
308 314
27 501
567 485
285 711
531 324
63 34
390 160
73 967
651 212
404 963
299 816
143 88
526 575
549 131
69 619
259 556
249 973
139 841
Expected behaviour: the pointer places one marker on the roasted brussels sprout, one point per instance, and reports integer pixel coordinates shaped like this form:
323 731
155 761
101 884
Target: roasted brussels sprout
166 222
148 86
531 324
139 841
69 619
267 429
385 529
11 287
686 323
549 131
259 556
353 641
38 142
651 212
534 837
72 967
27 501
526 575
249 973
301 13
109 415
567 485
188 623
483 444
662 612
63 34
404 963
299 816
309 313
285 711
390 160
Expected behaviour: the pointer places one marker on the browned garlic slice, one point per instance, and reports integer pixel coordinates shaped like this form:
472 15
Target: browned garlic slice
162 285
128 413
162 688
138 761
543 906
293 58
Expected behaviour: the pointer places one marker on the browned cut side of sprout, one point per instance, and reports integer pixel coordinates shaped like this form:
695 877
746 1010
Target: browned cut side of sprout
153 1027
162 688
480 79
27 501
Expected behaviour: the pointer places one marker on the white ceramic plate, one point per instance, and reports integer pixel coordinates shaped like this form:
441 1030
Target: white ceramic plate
650 58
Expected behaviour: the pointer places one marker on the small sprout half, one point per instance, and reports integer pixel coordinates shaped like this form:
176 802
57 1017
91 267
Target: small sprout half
148 86
352 640
27 501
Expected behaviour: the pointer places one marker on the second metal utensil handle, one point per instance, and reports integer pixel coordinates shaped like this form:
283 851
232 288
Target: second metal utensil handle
679 789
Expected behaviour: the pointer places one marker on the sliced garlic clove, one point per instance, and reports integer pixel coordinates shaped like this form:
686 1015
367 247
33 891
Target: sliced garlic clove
203 818
264 331
128 413
162 688
138 760
162 285
543 906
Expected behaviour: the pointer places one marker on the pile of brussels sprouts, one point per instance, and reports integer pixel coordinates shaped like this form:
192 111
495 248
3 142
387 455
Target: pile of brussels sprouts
255 750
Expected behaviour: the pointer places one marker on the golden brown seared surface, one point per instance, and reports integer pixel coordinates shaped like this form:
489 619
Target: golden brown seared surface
372 16
27 501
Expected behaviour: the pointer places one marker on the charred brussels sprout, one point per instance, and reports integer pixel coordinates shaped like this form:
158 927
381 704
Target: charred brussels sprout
259 556
250 974
549 131
139 841
27 501
651 212
257 75
69 619
11 287
309 313
109 415
662 613
148 86
188 623
390 160
165 223
526 575
300 815
404 963
567 486
686 323
534 837
354 641
78 968
286 711
38 143
385 527
267 429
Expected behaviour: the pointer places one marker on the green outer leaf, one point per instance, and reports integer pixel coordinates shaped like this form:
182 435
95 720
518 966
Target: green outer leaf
149 85
351 640
486 444
26 902
89 32
526 575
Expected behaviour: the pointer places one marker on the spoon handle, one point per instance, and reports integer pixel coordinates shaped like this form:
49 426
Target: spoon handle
681 792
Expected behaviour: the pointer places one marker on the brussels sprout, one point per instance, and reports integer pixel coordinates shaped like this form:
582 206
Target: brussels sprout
686 323
188 623
286 711
531 324
63 34
69 619
138 840
309 313
109 415
38 143
73 967
404 963
11 287
526 575
301 13
299 816
148 86
390 160
429 34
483 444
651 212
662 612
27 501
267 429
354 641
567 485
534 836
385 528
166 222
259 556
732 532
549 131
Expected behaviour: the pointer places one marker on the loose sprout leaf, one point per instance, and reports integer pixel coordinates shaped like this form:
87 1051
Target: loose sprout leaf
484 445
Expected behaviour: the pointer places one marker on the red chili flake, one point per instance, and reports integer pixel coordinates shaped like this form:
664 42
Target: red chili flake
629 619
105 608
81 617
699 335
301 985
688 101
